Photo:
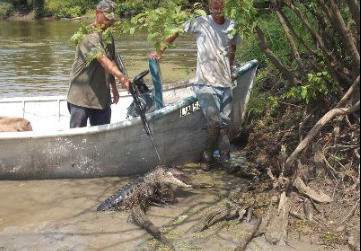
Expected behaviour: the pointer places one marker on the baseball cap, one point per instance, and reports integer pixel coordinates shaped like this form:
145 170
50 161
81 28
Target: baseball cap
108 7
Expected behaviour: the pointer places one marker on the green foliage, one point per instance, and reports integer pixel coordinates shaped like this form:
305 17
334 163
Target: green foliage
243 13
168 19
8 7
160 23
20 5
318 87
84 30
5 9
67 8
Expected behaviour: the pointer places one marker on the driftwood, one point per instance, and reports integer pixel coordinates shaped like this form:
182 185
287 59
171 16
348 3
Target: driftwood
309 210
252 234
226 214
309 192
277 231
233 213
14 125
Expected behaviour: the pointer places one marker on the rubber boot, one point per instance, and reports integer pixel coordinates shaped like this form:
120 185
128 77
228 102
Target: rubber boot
224 145
207 161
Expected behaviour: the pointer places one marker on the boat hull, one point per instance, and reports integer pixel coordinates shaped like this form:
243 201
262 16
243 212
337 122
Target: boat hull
121 148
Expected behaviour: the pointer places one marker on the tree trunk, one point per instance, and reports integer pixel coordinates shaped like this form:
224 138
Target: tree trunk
345 35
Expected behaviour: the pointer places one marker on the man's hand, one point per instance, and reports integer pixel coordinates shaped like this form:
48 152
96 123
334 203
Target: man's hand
125 82
115 96
170 40
155 55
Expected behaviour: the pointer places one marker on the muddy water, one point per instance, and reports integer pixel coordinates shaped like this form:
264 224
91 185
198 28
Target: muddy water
59 215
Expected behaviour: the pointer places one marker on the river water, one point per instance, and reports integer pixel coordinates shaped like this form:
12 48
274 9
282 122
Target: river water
36 57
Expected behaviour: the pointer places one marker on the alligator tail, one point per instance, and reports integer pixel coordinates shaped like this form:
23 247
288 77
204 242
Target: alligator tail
106 205
120 196
139 218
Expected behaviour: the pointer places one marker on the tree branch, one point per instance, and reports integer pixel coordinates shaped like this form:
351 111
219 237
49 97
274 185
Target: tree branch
292 42
349 93
354 7
251 235
316 36
273 58
314 132
345 34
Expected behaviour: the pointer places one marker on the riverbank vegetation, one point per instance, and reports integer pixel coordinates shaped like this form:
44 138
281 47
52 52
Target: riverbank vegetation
303 121
76 8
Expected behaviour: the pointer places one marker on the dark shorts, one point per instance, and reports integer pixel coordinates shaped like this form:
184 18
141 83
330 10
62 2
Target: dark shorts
80 115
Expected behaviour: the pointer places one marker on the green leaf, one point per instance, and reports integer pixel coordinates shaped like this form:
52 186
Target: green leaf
200 13
132 31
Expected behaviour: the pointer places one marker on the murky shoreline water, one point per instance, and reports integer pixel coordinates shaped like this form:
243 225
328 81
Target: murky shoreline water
59 215
36 57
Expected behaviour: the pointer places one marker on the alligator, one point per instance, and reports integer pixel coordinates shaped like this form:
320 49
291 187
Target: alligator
137 196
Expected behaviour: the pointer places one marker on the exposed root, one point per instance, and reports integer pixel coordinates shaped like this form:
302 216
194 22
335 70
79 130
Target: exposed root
227 214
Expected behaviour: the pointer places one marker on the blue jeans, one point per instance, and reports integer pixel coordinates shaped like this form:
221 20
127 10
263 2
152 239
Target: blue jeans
80 115
216 104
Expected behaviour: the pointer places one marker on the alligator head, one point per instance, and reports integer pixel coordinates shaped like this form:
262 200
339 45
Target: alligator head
169 176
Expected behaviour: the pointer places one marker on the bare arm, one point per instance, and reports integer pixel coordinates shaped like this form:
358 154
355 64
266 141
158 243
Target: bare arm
115 92
232 57
111 68
169 41
166 42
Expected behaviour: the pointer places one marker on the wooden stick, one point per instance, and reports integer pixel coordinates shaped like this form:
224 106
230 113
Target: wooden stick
251 235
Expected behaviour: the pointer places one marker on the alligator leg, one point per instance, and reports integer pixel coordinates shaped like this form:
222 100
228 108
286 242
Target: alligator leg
139 218
163 197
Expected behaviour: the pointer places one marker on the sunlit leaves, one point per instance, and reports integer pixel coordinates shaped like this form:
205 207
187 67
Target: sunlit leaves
95 53
84 30
160 23
319 84
163 22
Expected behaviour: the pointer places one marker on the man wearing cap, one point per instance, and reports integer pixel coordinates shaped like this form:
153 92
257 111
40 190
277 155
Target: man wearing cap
89 90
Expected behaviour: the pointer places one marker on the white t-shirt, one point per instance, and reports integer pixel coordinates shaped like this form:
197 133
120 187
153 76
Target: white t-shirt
213 41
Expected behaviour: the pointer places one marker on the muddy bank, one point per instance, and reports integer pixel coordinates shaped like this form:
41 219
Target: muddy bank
60 215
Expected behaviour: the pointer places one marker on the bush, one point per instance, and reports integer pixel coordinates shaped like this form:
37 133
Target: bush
68 8
5 10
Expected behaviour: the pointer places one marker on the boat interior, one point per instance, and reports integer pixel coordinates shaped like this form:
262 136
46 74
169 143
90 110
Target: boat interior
51 113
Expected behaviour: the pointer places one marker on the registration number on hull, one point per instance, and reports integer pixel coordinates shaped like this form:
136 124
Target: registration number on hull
188 110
